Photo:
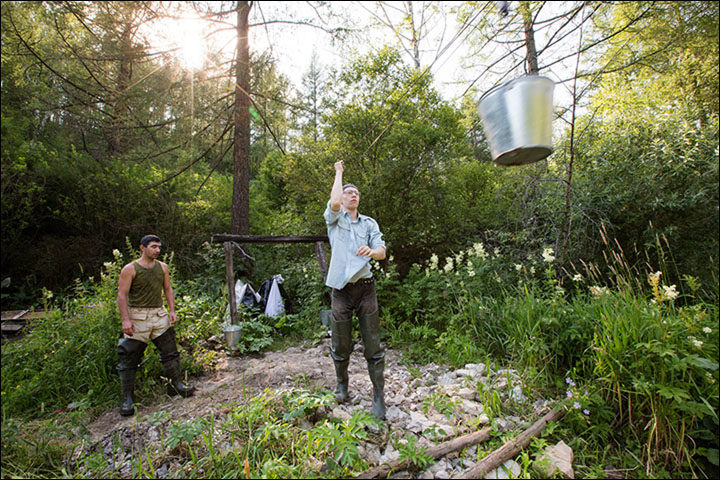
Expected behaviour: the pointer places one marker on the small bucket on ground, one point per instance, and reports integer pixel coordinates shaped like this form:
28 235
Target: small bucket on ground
325 317
517 120
232 336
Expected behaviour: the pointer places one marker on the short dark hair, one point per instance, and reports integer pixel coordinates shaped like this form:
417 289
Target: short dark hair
145 241
350 185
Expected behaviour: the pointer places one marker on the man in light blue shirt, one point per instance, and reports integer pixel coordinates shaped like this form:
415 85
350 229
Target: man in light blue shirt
354 240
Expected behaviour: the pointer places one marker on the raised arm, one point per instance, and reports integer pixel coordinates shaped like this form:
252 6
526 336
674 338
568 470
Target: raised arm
337 189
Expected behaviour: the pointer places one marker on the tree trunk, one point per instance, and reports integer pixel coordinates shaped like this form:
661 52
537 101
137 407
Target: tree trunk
116 141
241 138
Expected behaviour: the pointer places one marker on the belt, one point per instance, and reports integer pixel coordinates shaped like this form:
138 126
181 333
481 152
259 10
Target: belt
364 281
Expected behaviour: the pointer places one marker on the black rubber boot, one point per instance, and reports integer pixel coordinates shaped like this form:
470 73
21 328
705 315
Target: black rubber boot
130 353
341 373
170 358
127 385
375 357
377 377
340 348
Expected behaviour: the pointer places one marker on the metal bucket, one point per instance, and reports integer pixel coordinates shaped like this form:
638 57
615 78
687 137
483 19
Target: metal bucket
517 119
232 335
325 317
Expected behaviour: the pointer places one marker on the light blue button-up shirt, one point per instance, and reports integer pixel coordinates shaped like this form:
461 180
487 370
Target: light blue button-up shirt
346 237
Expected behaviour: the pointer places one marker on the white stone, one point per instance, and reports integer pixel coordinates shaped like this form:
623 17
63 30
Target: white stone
509 469
464 372
390 455
341 413
466 393
557 457
417 420
478 368
396 415
517 395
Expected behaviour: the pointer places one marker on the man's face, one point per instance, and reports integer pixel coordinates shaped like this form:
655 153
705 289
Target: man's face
351 198
152 250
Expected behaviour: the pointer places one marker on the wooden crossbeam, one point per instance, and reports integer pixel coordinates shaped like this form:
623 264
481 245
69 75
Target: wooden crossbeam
226 237
227 240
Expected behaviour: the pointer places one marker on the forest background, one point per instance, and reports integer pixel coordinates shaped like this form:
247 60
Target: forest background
106 136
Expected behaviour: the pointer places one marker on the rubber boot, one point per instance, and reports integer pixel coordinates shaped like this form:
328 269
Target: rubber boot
375 357
130 353
340 348
127 385
170 358
341 373
377 377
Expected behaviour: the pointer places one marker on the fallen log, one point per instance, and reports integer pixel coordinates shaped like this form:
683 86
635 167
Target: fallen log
510 449
436 452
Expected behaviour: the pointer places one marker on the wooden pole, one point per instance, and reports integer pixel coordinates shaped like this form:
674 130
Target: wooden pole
438 451
510 449
231 282
320 255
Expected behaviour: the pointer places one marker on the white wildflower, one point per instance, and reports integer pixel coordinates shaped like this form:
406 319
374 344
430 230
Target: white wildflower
448 265
670 292
496 252
480 250
532 270
116 253
654 278
471 273
548 255
433 262
578 277
696 343
559 290
707 329
186 298
518 267
459 257
599 291
107 265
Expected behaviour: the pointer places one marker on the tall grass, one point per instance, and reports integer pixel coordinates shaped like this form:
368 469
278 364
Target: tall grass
647 351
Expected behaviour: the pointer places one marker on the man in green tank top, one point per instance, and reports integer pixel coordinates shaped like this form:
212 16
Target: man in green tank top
144 318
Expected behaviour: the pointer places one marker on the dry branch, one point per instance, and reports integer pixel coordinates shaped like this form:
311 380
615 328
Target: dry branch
510 449
436 452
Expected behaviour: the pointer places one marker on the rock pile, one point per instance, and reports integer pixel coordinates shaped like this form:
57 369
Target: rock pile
426 405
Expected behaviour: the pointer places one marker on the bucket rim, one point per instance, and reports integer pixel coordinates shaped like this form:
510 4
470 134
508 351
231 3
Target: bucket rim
513 80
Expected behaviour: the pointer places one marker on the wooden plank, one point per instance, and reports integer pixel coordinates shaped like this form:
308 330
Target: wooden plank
21 315
226 237
11 328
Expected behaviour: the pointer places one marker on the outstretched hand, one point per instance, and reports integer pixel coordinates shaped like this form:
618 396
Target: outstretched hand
340 166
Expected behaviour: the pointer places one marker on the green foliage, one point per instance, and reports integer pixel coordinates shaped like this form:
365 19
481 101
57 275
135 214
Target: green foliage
411 452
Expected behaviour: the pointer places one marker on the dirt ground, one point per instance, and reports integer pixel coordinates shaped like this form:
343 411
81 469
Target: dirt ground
237 378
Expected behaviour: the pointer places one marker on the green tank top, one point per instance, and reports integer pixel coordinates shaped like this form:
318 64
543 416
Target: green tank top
147 286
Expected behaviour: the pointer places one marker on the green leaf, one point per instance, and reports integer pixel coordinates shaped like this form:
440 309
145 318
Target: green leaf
705 363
